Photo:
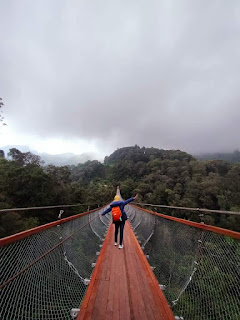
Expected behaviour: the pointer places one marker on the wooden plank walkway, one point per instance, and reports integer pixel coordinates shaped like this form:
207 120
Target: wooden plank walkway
123 286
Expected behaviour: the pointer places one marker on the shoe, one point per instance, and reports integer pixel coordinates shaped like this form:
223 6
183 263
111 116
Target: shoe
115 243
120 246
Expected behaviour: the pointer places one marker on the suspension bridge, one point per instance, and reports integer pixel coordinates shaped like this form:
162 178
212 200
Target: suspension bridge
170 268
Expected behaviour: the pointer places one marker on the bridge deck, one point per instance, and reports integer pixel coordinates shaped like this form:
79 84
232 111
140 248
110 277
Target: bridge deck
123 285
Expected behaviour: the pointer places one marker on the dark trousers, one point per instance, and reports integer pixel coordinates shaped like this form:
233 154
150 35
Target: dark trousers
120 224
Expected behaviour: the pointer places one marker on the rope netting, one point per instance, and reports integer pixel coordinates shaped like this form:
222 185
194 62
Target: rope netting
143 224
45 275
198 270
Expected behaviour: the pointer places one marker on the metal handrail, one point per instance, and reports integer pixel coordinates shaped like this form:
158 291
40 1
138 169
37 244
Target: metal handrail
51 207
189 209
207 227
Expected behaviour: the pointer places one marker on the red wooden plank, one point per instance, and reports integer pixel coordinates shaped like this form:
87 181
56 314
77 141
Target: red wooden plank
123 287
100 305
164 307
110 307
109 258
116 296
149 288
86 313
103 268
93 286
109 315
113 297
125 313
137 303
146 294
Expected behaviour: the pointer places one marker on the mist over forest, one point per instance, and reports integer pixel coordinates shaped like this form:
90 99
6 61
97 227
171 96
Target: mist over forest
65 159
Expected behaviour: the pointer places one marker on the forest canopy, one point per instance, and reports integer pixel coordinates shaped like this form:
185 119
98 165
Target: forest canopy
167 177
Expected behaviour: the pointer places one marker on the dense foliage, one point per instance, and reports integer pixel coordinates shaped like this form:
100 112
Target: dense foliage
168 177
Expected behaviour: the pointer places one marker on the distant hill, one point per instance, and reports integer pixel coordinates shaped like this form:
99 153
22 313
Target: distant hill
233 157
136 154
57 160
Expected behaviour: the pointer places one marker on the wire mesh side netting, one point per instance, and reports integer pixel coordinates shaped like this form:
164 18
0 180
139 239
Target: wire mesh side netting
198 270
52 269
143 224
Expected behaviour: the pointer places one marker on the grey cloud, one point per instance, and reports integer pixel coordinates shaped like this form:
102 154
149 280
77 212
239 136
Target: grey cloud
158 73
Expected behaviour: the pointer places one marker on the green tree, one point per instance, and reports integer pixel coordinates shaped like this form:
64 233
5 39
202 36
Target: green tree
1 112
24 158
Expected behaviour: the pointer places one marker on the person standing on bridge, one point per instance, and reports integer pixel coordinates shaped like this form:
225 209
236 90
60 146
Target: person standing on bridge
119 216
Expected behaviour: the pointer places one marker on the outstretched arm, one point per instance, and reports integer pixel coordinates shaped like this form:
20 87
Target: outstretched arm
130 200
106 211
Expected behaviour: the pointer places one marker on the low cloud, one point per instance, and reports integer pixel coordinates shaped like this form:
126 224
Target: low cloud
162 73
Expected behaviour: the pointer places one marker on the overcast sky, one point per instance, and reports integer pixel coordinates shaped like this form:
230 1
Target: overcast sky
90 75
